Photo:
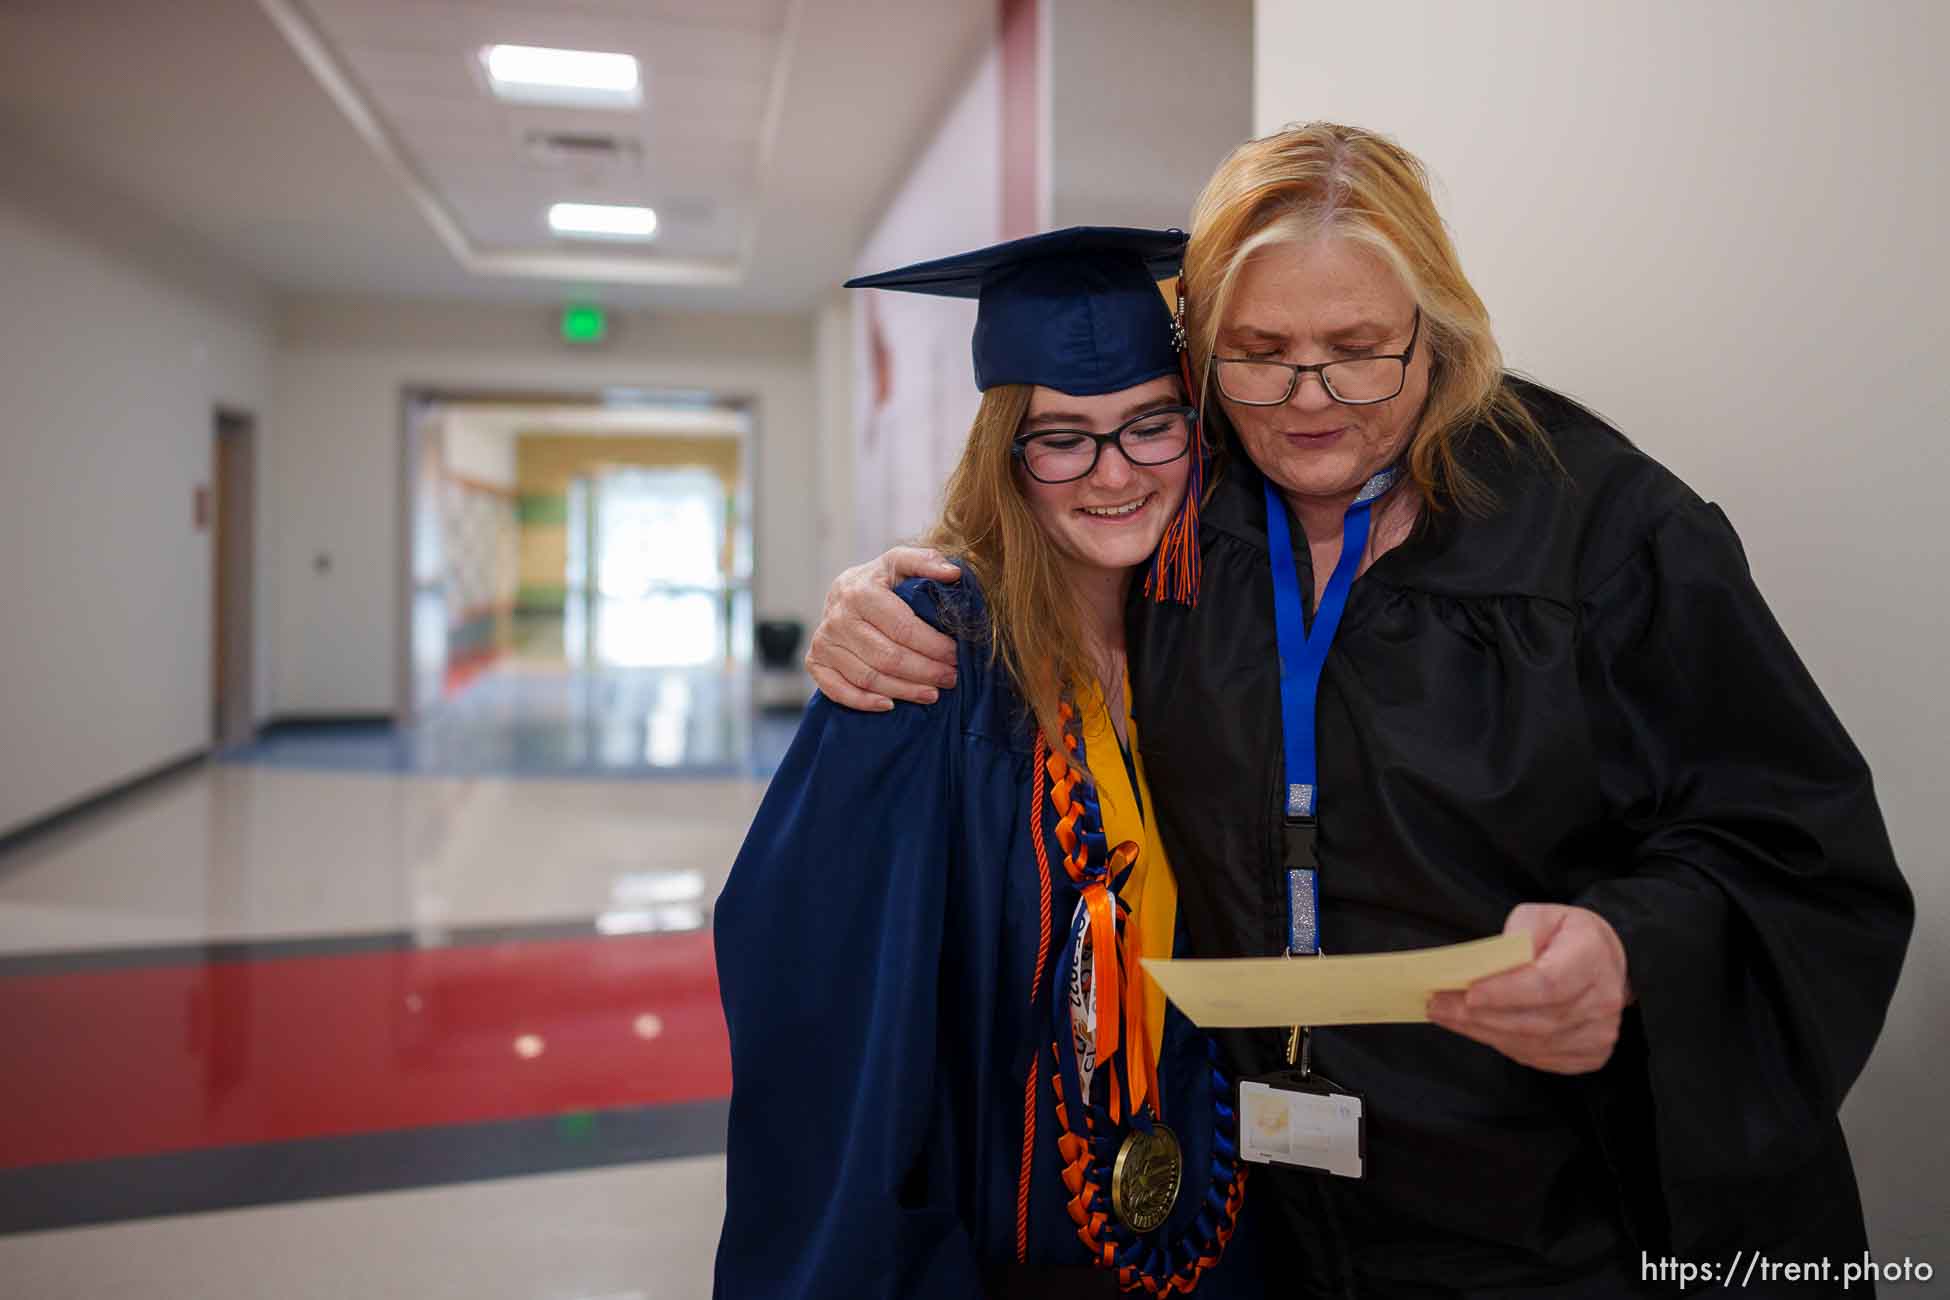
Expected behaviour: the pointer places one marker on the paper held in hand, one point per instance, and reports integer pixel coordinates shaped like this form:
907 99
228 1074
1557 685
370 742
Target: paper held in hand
1364 989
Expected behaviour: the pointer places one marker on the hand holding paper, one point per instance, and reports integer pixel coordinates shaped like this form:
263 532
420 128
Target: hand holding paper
1561 1012
1367 989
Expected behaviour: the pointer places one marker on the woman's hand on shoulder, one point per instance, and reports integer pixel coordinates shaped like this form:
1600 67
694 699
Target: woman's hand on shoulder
870 649
1559 1012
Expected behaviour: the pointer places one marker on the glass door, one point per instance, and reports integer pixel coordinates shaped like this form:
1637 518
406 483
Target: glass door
660 542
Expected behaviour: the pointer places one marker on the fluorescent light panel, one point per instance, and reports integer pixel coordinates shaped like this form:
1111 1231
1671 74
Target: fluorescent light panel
602 221
531 74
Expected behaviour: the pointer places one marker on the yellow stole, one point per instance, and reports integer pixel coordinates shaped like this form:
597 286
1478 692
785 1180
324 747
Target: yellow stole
1152 891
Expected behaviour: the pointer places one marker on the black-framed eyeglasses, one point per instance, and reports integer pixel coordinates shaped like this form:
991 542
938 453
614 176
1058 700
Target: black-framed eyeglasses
1157 437
1357 381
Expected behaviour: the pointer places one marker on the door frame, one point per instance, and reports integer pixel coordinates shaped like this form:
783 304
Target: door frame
233 577
415 399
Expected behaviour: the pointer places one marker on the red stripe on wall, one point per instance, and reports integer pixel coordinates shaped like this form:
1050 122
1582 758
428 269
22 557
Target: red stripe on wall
148 1060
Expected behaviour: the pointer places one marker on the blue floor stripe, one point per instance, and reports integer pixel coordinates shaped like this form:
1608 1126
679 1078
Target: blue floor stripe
227 1178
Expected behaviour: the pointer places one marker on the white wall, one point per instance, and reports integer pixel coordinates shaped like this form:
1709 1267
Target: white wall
833 366
1721 225
1144 98
118 343
341 369
950 201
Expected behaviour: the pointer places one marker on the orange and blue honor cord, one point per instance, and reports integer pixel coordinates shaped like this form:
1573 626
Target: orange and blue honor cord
1096 1024
1098 1028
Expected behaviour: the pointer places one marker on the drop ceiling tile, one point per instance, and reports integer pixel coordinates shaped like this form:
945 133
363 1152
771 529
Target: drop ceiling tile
692 145
763 15
401 24
680 93
426 72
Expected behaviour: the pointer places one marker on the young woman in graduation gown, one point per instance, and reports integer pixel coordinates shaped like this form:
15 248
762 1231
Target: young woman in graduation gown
950 1077
1556 703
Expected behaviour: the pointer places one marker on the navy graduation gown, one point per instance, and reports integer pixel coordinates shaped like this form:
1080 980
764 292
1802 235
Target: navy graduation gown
877 942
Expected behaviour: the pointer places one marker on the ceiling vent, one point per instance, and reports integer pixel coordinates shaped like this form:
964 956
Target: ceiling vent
686 211
584 150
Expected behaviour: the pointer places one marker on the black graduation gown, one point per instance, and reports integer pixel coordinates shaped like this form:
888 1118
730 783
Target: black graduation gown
876 943
1579 698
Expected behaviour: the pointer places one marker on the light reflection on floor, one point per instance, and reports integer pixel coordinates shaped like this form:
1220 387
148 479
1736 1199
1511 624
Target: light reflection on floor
534 718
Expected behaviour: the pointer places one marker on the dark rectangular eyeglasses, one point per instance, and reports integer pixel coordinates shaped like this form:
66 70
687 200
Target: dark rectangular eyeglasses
1157 437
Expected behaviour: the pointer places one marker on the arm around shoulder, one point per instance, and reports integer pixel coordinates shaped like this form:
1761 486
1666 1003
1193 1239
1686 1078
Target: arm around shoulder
869 649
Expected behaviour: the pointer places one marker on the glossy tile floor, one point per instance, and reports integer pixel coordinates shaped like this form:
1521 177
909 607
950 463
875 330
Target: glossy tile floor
371 1015
530 718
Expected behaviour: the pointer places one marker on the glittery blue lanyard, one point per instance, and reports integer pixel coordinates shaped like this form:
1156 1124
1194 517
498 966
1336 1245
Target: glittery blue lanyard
1303 654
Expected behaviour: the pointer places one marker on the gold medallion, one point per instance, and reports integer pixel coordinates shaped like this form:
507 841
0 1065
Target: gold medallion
1144 1181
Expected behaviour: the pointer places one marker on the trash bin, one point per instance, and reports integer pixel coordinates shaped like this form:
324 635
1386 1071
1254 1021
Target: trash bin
781 686
778 642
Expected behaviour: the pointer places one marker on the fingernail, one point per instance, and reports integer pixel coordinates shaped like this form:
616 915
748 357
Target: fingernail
885 706
930 697
948 679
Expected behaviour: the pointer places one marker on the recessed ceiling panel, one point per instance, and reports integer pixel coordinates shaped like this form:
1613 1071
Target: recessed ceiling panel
238 129
691 149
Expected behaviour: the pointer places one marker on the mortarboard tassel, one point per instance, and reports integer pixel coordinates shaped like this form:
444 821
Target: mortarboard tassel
1175 569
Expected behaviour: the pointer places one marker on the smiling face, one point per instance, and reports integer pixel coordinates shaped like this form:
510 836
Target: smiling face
1324 300
1112 518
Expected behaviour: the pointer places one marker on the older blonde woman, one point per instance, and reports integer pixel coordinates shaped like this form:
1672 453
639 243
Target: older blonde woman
1467 660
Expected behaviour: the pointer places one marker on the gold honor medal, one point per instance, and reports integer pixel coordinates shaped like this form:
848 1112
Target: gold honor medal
1145 1179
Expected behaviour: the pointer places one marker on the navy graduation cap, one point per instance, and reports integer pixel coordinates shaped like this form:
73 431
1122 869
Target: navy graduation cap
1076 310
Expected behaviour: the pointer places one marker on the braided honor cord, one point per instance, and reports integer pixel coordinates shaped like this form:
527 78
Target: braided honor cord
1029 1087
1100 1027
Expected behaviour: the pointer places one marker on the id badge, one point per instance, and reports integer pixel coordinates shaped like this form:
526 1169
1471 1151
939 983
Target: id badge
1305 1121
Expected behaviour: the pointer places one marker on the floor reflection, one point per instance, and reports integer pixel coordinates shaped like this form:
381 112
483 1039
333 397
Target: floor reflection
534 719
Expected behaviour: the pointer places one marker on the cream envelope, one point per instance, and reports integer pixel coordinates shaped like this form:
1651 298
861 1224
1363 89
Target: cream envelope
1364 989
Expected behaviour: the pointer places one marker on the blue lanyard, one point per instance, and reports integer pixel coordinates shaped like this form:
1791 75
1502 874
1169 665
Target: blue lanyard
1302 656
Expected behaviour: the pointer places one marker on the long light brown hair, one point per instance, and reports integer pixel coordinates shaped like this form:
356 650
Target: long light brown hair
1323 178
1035 623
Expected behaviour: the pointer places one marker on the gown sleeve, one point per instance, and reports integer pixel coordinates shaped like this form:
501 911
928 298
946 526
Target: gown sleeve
828 939
1763 916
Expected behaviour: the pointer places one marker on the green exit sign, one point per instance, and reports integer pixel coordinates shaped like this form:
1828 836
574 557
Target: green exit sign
584 324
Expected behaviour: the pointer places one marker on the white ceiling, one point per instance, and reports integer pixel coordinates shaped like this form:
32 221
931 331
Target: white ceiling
348 146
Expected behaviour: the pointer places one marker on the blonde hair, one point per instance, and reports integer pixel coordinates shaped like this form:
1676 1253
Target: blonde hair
1324 179
1035 623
